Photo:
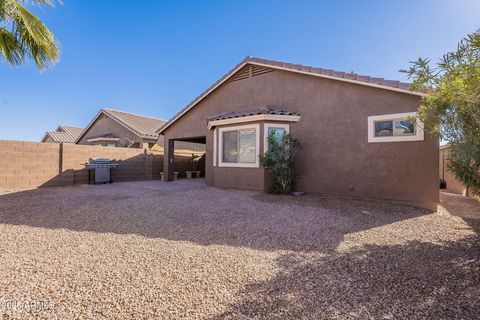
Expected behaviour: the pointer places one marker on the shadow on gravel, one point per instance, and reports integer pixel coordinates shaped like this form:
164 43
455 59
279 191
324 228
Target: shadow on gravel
466 208
413 281
192 212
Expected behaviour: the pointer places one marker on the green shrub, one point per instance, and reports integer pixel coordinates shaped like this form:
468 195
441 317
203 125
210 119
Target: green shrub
464 162
279 160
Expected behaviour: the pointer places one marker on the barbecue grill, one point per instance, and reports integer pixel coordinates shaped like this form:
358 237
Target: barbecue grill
101 168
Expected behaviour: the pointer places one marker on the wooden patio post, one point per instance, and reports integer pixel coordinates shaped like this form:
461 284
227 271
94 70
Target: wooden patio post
169 149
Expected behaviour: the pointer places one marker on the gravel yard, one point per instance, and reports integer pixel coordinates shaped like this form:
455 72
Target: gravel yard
183 250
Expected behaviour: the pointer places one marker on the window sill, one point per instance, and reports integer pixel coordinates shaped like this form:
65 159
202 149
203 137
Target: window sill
238 165
418 137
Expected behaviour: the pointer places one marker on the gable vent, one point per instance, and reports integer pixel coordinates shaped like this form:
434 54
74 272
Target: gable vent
241 74
249 71
258 70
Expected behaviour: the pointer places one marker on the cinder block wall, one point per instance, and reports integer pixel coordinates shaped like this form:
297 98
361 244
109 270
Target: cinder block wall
133 164
34 164
453 185
28 164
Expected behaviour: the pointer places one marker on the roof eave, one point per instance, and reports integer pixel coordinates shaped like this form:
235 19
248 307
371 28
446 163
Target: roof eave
363 83
247 61
253 118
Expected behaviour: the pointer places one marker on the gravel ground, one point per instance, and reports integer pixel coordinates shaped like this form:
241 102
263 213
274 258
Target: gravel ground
182 250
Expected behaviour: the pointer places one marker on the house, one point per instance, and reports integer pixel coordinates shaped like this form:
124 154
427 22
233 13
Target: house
116 128
451 184
355 131
65 134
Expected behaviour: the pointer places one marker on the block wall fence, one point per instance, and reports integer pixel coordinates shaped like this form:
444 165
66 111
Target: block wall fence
35 164
453 185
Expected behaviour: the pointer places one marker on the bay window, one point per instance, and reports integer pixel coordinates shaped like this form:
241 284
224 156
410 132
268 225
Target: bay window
239 146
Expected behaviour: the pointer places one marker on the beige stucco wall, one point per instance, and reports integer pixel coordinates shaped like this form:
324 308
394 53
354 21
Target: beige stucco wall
336 156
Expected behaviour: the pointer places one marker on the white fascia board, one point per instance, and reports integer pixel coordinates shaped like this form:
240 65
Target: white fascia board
258 117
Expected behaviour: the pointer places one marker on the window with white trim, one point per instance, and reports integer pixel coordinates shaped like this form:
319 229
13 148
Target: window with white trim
278 129
395 127
239 146
215 147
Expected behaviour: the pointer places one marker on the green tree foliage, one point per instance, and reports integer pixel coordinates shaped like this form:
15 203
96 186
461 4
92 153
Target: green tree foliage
279 160
24 36
452 105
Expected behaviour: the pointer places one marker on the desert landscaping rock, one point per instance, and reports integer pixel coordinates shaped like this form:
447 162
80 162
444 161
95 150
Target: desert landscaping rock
183 250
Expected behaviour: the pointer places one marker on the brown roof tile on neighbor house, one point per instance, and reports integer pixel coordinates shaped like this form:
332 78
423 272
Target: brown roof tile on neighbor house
269 110
142 125
320 72
67 134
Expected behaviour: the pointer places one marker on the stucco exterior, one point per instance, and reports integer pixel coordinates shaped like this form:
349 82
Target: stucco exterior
336 157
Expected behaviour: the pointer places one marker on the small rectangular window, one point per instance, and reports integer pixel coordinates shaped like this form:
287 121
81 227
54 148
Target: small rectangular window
395 127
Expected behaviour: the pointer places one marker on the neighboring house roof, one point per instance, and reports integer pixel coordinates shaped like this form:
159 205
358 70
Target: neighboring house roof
303 69
230 115
142 126
63 133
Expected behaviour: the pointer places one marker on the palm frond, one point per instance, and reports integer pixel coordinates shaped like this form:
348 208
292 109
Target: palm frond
10 49
33 38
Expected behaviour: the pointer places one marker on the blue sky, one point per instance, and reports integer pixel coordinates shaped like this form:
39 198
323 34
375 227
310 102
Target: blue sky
153 57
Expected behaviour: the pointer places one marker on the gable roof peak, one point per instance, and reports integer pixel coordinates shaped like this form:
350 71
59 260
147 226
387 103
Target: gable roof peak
380 83
64 133
142 126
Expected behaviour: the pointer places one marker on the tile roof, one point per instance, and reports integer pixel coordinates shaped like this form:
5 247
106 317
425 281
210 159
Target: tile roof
70 129
67 134
269 110
141 125
338 75
331 73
